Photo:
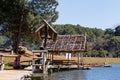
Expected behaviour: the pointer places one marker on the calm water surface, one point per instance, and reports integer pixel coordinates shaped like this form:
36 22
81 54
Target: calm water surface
100 73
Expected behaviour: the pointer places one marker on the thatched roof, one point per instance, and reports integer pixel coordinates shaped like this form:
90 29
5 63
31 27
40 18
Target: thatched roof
67 43
46 28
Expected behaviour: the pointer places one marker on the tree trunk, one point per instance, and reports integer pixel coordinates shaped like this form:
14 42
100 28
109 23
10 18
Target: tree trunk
17 35
16 42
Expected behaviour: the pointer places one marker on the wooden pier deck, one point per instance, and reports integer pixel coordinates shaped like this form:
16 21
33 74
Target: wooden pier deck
13 74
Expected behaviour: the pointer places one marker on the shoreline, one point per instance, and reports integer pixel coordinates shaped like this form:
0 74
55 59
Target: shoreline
101 60
91 59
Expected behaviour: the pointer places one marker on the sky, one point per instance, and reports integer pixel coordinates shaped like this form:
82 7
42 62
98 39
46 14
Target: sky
101 14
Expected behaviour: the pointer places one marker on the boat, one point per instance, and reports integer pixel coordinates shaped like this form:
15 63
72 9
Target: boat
107 65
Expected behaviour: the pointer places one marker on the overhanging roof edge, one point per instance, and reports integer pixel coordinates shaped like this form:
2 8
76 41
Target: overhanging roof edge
44 25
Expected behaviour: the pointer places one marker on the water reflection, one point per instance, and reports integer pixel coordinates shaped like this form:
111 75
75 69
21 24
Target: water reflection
68 75
99 73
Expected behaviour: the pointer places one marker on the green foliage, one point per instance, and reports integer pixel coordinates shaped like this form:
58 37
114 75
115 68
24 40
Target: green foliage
114 43
109 31
100 43
117 54
92 33
3 39
103 53
117 31
45 8
20 18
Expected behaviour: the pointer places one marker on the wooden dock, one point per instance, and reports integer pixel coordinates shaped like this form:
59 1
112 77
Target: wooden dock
14 74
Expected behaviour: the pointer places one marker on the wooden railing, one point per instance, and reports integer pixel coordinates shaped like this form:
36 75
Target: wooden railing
1 63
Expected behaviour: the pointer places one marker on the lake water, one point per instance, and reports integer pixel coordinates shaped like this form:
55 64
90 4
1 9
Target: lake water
100 73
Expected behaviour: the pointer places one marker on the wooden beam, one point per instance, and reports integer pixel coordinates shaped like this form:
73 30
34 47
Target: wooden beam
78 60
39 51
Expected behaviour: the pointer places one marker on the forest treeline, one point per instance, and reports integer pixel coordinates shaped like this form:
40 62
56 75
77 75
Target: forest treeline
100 43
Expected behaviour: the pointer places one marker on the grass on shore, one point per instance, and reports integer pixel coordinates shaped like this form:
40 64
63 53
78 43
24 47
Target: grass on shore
93 60
101 60
8 61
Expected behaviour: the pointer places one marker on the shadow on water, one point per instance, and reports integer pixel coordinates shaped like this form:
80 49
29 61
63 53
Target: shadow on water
65 75
40 78
68 75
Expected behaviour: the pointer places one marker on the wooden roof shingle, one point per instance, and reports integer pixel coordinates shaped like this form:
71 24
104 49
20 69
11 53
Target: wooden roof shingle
67 43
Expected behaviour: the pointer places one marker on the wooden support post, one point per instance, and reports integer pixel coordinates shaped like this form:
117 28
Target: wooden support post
52 57
2 64
49 54
33 62
81 58
44 71
78 60
68 58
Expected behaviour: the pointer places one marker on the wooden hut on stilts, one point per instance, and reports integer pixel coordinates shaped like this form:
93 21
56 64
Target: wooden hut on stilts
68 45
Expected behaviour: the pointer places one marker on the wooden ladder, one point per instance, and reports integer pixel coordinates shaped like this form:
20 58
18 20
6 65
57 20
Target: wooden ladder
39 61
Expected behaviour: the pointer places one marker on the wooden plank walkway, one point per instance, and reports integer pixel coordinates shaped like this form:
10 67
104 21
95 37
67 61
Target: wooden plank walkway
13 74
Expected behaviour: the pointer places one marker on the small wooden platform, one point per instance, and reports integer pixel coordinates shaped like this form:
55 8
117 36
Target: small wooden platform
64 62
13 74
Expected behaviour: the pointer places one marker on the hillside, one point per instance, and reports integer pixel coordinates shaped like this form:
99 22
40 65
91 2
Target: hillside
100 43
